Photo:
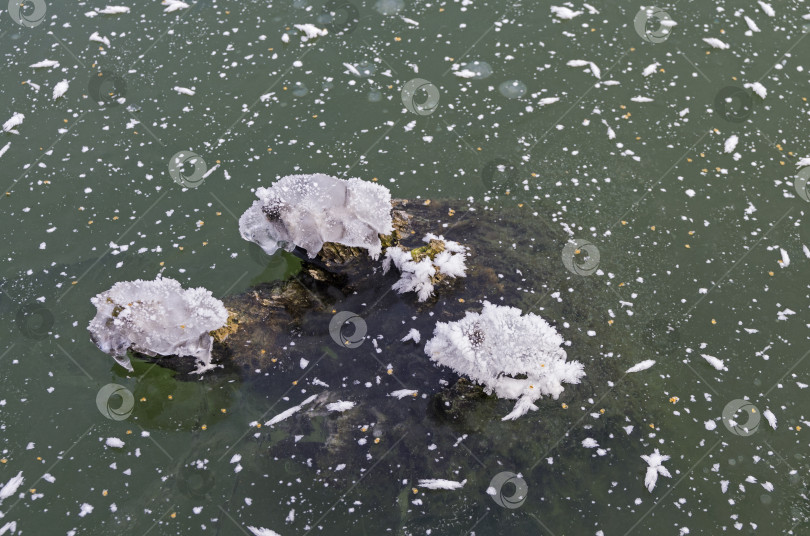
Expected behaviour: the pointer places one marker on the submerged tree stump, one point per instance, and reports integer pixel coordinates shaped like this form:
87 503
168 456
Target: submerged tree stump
280 341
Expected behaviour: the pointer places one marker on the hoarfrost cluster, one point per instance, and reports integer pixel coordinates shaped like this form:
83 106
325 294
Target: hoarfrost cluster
157 317
499 343
310 210
421 272
655 467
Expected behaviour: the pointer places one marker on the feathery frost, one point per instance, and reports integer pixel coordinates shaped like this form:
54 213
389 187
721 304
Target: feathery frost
60 89
174 5
13 122
440 483
564 13
95 36
261 531
421 275
114 10
493 346
655 467
310 31
11 487
644 365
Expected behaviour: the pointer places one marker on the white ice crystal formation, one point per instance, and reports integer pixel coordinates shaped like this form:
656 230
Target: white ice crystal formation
516 356
655 467
157 317
310 210
421 270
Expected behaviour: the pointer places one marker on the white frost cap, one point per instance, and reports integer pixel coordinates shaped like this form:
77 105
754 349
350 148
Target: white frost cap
309 210
157 317
500 342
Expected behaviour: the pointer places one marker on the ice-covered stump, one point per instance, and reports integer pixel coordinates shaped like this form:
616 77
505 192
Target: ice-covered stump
310 210
157 317
499 344
422 268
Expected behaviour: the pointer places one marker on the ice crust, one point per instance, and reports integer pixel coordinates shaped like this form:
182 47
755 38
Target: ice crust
310 210
157 317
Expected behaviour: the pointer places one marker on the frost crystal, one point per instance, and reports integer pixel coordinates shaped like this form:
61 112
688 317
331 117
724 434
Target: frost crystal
340 406
422 269
644 365
309 210
261 531
655 467
15 121
440 483
156 318
413 335
10 487
494 346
